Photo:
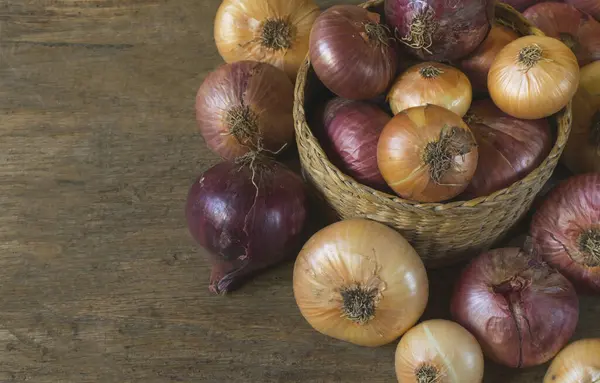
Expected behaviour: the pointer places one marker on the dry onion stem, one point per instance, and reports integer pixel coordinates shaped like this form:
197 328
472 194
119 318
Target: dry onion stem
440 155
422 28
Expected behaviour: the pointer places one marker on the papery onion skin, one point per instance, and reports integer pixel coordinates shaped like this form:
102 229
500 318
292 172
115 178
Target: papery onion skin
353 129
440 30
271 31
477 65
352 52
578 30
566 230
431 83
521 311
591 7
427 154
509 148
245 106
576 363
441 351
246 228
533 77
360 281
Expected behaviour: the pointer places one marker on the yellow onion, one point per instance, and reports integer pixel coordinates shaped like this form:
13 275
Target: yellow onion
533 77
431 83
439 351
582 153
579 362
271 31
427 154
360 281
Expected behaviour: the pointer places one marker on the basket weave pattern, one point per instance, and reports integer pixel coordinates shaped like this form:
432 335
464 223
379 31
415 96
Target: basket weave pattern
442 233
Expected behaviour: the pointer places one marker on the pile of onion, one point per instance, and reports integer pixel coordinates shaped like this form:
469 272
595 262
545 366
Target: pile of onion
533 77
439 351
566 230
271 31
521 311
360 281
578 30
509 148
477 65
431 83
582 153
249 215
352 130
576 363
352 52
427 154
245 106
440 30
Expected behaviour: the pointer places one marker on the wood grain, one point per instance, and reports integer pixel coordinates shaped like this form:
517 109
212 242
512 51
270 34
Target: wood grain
100 281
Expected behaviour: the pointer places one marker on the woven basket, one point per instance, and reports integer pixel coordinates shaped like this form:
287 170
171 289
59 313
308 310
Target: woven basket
442 233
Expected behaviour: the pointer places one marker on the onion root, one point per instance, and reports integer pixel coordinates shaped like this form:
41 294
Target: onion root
439 155
359 303
430 71
531 55
277 34
422 28
589 243
427 373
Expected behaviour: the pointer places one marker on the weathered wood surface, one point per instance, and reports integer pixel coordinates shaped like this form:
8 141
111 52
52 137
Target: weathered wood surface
99 280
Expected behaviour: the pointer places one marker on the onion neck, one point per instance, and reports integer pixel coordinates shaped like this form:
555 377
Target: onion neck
511 291
243 125
589 244
430 71
276 34
359 303
440 155
530 55
427 373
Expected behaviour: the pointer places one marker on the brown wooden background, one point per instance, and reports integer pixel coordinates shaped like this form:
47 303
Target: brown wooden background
99 279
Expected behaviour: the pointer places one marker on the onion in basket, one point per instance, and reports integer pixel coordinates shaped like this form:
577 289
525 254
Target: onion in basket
578 30
533 77
360 281
582 153
440 30
352 52
272 31
509 148
352 129
477 65
427 154
431 83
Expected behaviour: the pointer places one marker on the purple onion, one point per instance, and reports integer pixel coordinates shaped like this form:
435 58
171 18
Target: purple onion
440 30
249 215
352 129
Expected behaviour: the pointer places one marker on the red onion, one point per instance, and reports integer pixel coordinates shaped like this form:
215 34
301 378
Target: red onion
578 30
591 7
352 53
352 129
245 106
440 29
566 230
509 148
249 215
521 311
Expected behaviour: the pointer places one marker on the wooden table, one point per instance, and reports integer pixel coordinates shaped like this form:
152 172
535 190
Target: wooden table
99 279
